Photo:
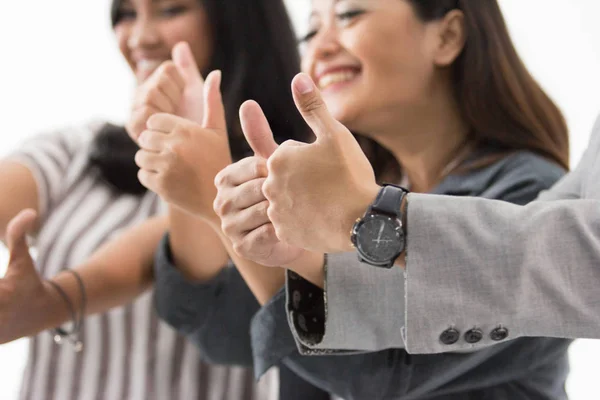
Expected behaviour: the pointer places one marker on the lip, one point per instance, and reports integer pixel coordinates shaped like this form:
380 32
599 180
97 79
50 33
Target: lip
144 67
336 78
320 72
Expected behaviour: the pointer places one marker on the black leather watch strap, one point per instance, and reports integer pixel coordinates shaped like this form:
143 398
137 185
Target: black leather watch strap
389 200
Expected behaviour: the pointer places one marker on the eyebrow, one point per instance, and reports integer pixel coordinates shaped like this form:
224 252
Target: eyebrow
314 13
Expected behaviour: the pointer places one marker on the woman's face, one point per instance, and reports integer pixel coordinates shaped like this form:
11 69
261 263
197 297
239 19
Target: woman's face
147 30
369 57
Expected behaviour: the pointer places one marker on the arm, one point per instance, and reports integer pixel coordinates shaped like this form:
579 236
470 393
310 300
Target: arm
114 275
19 191
214 314
195 247
546 255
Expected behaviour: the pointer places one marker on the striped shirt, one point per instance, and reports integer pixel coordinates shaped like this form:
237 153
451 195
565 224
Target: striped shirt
128 352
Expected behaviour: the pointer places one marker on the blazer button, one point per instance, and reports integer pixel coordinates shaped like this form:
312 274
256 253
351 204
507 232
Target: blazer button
499 334
449 336
473 336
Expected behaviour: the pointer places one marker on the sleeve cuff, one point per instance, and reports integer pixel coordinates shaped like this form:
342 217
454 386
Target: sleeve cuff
270 334
349 316
183 304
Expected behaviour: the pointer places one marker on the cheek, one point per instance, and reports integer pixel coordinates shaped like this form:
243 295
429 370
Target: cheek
122 36
399 72
194 31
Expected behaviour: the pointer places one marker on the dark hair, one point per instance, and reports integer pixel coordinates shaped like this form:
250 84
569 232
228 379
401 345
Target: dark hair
255 48
501 102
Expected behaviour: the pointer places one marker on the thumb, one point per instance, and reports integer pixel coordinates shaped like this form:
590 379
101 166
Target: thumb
186 64
16 234
312 107
214 110
257 130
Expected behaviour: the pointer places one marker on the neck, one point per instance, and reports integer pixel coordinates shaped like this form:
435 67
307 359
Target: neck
431 140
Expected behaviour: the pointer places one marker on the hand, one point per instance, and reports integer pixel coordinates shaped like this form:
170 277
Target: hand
179 159
175 87
240 202
25 301
316 191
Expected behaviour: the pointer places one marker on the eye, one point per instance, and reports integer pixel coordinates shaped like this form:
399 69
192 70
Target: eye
125 14
349 15
173 11
306 38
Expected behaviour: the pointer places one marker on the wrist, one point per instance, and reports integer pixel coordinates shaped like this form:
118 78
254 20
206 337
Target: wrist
401 260
310 267
52 308
365 197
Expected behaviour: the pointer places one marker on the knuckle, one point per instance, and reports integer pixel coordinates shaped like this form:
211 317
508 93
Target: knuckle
153 119
227 227
267 189
222 179
239 248
152 93
222 206
275 163
168 67
259 168
312 104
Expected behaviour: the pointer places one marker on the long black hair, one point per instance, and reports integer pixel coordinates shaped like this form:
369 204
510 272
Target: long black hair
256 49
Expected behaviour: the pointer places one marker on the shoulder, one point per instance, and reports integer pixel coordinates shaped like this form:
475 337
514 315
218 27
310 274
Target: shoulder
520 176
528 165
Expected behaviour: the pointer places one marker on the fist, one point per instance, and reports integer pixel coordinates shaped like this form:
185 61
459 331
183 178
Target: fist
175 87
316 191
240 202
179 158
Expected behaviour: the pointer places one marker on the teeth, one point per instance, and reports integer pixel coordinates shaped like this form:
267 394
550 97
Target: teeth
336 77
148 65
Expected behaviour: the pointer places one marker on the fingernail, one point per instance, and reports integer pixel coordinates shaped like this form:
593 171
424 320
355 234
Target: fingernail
304 84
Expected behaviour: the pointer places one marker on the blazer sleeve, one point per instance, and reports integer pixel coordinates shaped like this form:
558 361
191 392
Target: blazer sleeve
214 315
528 271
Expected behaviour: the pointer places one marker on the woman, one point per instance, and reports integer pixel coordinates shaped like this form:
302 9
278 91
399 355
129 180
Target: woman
458 114
82 183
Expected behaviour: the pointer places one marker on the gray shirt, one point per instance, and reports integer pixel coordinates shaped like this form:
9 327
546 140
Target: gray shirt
218 315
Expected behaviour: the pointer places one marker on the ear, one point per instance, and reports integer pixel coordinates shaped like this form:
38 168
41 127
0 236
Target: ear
452 35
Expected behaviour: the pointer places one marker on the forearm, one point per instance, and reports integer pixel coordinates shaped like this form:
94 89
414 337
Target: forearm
119 271
264 282
196 247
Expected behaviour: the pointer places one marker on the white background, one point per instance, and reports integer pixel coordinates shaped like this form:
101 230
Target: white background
59 65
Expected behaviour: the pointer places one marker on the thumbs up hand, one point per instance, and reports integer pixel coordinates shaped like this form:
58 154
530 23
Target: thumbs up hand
240 202
316 191
175 87
23 296
179 158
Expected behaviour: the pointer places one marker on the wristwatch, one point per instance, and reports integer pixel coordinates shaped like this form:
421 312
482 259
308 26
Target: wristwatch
379 236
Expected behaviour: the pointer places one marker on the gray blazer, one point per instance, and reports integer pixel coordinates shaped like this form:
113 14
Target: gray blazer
506 271
218 315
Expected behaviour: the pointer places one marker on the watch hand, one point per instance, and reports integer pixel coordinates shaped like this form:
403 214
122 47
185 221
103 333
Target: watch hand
380 232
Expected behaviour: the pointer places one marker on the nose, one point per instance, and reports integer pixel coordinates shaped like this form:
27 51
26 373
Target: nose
326 43
144 33
324 46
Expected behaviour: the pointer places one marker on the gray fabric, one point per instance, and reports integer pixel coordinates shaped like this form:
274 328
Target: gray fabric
215 316
533 269
203 311
523 369
361 314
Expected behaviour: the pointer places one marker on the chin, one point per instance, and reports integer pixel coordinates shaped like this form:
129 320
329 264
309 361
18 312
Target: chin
349 117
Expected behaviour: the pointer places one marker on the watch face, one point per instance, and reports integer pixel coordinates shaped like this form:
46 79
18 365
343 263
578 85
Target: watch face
379 238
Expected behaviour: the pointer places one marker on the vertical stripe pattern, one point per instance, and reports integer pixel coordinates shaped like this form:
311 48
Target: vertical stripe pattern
128 353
